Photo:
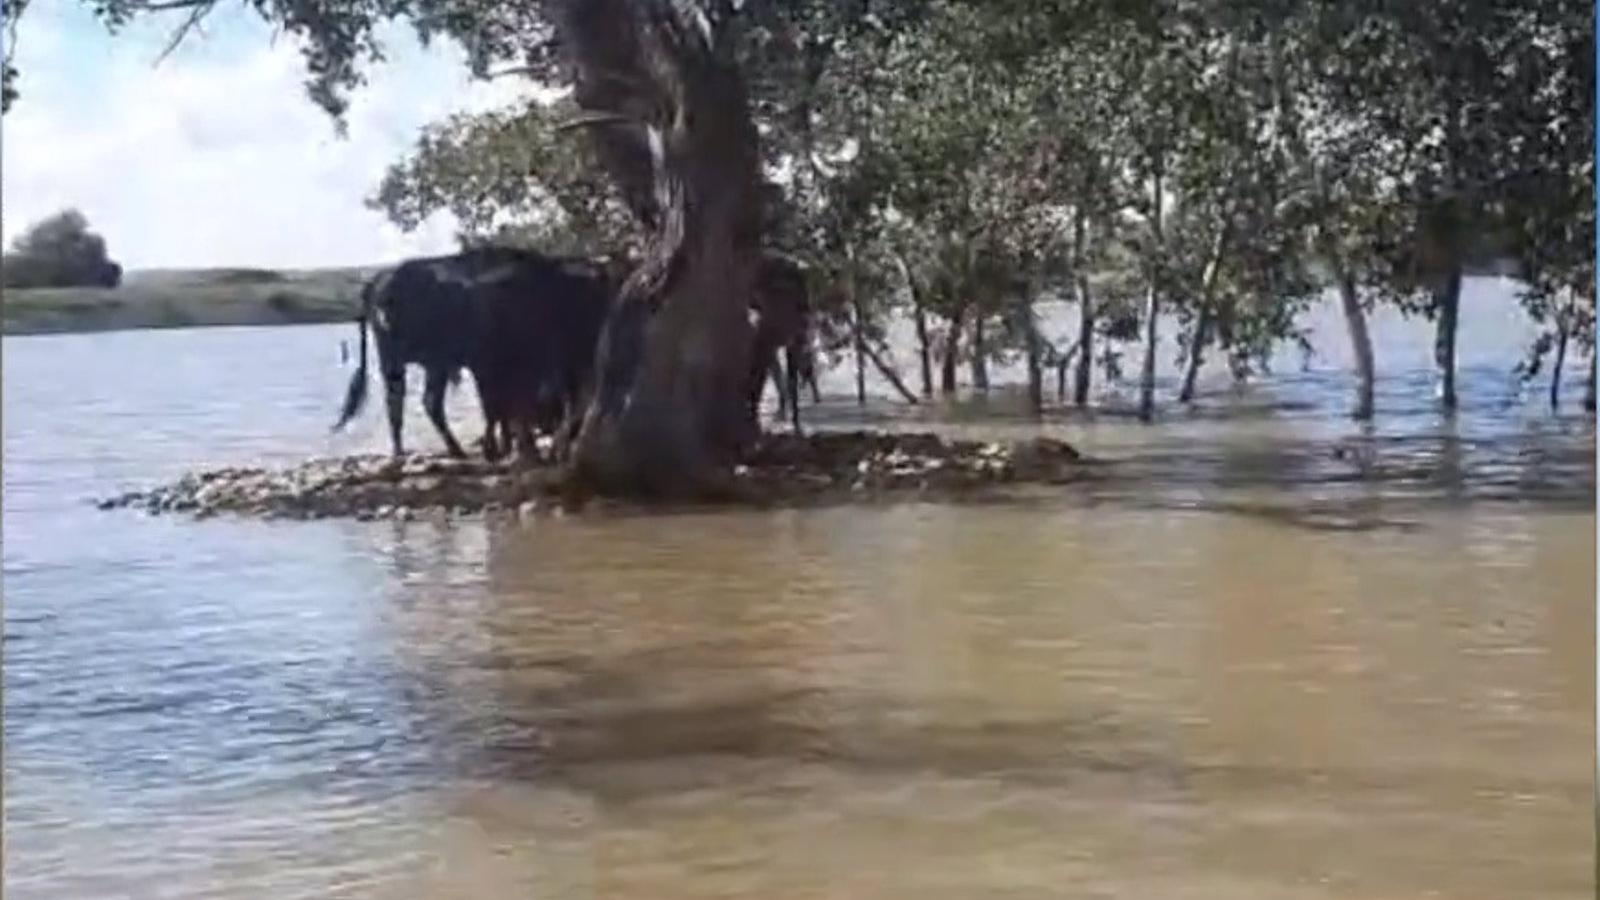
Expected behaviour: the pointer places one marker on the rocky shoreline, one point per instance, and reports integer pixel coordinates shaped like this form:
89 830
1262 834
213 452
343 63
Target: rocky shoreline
783 470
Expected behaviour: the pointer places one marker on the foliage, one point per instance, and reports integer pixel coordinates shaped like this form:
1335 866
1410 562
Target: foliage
996 152
60 251
510 173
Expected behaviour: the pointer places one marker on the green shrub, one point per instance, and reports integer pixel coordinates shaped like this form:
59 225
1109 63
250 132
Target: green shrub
60 251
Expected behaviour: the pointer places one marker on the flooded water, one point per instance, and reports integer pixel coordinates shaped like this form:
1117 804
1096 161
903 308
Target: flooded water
1271 654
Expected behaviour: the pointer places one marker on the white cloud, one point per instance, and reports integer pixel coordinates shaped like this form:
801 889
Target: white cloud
216 156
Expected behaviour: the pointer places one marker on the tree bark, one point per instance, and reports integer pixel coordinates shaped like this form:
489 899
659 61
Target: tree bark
1561 360
888 372
980 355
1197 354
1208 289
1152 310
1589 385
858 328
1355 319
669 412
1086 325
924 355
1086 317
919 314
1030 337
1447 299
947 364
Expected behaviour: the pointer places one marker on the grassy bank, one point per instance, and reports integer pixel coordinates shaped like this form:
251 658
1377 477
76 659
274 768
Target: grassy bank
180 298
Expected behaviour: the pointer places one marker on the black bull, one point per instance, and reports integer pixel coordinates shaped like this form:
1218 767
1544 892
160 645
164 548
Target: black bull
526 326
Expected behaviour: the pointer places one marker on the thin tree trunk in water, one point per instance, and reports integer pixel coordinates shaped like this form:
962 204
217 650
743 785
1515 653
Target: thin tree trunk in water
980 351
1085 311
858 327
1448 299
1030 336
1086 325
1561 361
1147 371
924 355
919 315
1062 362
888 372
1080 280
947 365
1208 289
1355 318
671 124
1197 354
1589 387
1152 309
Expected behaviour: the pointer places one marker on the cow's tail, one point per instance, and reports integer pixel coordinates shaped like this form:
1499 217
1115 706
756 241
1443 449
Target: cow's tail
355 396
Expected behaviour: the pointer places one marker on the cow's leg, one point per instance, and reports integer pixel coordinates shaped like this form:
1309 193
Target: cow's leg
791 387
489 402
433 401
490 442
775 372
394 397
565 435
527 440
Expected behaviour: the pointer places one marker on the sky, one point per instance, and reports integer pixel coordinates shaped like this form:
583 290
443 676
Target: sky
215 156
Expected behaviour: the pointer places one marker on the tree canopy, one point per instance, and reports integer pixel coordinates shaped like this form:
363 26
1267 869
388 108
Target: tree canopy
1212 163
60 251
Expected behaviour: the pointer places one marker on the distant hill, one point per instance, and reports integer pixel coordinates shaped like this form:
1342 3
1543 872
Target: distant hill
179 298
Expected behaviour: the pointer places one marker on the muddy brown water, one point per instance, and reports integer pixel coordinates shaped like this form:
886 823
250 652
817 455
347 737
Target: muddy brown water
1277 656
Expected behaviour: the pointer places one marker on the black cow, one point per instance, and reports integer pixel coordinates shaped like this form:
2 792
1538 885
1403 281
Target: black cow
800 363
545 325
506 315
782 313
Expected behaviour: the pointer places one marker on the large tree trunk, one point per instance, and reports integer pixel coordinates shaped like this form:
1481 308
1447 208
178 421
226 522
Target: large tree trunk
672 125
1152 311
1355 319
980 355
1447 299
947 363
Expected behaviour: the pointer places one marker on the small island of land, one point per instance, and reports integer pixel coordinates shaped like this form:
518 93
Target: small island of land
783 470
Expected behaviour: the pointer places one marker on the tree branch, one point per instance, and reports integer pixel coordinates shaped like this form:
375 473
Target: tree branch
510 71
197 11
165 5
597 117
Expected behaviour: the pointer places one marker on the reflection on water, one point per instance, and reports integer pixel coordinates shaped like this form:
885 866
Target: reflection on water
1265 653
